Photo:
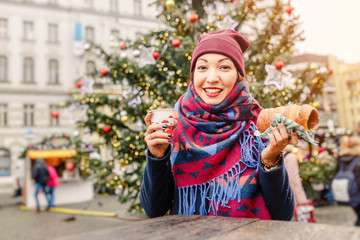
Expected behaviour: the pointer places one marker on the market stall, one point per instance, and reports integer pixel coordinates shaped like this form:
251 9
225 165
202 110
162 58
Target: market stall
72 188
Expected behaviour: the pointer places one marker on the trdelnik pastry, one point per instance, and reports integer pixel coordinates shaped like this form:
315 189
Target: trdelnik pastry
304 118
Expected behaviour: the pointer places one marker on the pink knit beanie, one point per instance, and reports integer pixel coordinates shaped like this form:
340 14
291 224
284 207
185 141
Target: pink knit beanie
227 42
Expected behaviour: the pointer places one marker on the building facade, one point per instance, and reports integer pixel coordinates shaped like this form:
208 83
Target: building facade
347 82
41 56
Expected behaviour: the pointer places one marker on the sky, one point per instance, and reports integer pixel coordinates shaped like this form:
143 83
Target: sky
331 28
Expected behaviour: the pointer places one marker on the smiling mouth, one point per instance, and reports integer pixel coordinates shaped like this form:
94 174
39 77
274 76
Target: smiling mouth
212 90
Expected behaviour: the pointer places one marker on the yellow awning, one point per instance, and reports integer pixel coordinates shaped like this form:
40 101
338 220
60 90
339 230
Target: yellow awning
33 154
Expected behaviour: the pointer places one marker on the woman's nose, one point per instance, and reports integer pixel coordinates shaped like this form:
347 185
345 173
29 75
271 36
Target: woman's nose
212 77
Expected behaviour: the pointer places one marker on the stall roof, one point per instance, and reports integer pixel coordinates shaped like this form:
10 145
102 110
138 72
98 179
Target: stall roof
33 154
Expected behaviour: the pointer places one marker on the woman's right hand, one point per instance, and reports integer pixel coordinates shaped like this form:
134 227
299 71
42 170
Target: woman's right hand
157 141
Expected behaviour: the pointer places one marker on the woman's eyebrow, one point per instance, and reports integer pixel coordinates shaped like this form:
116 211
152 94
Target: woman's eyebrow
223 59
202 59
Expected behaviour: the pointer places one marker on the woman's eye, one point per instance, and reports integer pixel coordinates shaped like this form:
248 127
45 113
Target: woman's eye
201 68
225 67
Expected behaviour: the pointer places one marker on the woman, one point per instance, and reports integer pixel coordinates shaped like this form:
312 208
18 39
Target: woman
212 166
52 183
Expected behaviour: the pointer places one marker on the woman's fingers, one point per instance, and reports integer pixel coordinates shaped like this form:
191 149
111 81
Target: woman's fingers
280 135
158 138
155 132
148 119
294 137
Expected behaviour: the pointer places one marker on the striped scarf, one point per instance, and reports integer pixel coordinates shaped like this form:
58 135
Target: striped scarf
215 154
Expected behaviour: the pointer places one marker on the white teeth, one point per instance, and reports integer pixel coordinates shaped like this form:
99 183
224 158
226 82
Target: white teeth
212 90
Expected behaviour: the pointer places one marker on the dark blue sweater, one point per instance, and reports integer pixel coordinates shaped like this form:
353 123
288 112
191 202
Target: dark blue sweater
158 193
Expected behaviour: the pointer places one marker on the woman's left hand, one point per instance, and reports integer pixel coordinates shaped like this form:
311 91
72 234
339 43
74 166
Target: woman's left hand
278 140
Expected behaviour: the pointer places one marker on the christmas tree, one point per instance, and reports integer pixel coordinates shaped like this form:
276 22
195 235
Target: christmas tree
153 72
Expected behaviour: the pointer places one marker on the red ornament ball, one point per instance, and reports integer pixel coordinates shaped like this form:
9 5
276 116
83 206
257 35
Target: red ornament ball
279 65
122 46
330 71
193 17
79 84
70 166
55 114
106 129
289 9
104 72
156 55
176 42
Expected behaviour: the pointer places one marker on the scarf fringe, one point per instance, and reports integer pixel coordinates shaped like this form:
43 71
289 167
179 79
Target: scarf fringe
215 191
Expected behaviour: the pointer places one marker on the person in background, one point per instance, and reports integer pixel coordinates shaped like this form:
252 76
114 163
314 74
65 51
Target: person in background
52 183
214 164
304 209
41 177
19 177
349 160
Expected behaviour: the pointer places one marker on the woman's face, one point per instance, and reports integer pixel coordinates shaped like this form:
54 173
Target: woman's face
214 77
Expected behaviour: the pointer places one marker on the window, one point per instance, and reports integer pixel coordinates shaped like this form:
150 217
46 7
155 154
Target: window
137 7
28 30
3 115
53 33
3 69
5 162
89 34
54 121
90 67
89 3
28 70
114 6
53 72
3 27
114 38
28 115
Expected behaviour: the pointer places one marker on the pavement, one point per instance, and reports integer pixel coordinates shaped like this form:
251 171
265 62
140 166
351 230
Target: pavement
17 222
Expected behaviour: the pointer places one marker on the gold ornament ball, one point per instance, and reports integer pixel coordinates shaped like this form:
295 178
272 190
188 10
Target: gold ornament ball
312 66
169 3
124 118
